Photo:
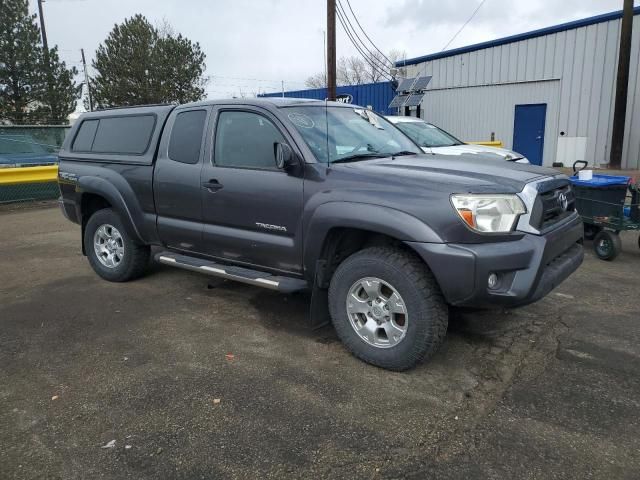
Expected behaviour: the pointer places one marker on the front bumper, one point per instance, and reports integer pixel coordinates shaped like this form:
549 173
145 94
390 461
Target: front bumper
527 269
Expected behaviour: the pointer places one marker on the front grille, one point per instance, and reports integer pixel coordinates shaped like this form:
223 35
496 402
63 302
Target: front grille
555 201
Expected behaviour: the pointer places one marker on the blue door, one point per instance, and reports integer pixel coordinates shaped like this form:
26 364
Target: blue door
528 131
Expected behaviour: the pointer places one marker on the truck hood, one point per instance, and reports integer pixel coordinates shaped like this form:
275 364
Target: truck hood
469 149
471 173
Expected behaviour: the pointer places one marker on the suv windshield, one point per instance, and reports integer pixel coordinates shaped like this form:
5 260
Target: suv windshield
341 134
427 135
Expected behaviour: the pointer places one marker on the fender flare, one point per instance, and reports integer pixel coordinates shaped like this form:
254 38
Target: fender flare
128 212
364 216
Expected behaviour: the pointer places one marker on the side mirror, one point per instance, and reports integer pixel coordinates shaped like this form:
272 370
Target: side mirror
285 158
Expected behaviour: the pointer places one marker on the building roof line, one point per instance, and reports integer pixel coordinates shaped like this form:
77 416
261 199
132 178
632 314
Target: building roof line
605 17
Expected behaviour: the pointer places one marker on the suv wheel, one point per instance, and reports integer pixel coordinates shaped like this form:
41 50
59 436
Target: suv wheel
112 253
387 308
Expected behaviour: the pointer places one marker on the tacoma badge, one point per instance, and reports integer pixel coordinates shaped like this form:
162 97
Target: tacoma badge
266 226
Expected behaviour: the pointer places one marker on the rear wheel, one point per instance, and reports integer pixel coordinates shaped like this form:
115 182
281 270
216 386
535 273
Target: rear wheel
387 308
607 245
111 251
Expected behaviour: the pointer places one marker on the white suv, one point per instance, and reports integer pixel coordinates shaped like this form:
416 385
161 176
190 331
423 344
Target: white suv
435 140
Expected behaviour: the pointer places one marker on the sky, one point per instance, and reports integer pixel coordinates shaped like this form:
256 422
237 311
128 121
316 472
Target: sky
252 46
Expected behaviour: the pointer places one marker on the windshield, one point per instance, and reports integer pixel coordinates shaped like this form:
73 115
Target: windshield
337 134
427 135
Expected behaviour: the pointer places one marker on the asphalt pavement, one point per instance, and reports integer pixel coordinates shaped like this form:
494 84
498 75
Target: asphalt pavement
177 375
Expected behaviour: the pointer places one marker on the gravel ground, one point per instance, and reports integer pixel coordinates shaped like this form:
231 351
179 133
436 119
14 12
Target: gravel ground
177 376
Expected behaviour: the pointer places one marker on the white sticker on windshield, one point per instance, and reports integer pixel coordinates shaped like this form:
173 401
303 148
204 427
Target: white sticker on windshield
301 120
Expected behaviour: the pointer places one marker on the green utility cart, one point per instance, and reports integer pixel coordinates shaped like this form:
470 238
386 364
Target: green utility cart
608 205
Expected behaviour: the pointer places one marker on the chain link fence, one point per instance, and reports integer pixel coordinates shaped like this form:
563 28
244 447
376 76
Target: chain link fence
27 146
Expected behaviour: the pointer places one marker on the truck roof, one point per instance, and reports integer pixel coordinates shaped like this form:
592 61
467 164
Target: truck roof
271 101
265 101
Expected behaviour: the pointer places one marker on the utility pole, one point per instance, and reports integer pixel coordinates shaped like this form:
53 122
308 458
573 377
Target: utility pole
622 86
47 63
43 32
86 80
331 49
282 88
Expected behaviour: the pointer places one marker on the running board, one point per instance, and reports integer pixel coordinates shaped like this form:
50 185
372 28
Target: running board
238 274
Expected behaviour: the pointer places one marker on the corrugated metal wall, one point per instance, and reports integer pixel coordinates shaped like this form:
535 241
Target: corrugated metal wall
377 95
583 62
489 108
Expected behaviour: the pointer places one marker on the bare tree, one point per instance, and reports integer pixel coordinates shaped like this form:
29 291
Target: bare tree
398 56
354 70
316 81
351 71
377 68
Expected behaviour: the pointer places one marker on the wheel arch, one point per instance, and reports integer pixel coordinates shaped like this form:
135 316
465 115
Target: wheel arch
96 194
339 229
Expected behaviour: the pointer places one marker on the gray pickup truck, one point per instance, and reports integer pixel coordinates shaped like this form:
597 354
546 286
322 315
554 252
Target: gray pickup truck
298 195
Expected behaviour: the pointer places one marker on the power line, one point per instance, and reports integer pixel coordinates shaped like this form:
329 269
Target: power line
371 57
464 25
365 33
376 68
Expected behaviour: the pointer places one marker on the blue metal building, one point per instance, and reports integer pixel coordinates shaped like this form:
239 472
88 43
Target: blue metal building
377 96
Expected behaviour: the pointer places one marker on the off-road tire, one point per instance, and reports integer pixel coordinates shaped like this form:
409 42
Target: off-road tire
427 311
136 257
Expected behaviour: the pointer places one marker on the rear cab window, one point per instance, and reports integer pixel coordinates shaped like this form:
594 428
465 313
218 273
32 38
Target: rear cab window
122 135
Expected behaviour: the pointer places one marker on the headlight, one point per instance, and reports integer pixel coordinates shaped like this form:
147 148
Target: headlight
489 212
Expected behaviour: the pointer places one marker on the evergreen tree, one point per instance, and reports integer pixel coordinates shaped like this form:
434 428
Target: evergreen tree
61 92
21 77
139 65
30 90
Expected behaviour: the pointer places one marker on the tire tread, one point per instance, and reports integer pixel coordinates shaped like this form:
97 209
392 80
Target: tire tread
139 254
434 307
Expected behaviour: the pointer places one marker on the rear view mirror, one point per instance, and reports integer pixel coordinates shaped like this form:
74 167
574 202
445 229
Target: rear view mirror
285 158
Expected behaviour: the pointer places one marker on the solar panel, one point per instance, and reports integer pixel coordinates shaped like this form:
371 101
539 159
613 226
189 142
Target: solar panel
421 83
414 100
398 101
405 84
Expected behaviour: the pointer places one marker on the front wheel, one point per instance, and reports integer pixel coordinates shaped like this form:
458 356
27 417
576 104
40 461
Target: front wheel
607 245
111 251
387 308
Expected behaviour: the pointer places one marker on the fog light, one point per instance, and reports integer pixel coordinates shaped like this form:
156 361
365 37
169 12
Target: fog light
492 281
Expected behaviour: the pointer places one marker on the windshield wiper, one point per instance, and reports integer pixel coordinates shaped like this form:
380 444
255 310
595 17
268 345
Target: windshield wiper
402 153
358 156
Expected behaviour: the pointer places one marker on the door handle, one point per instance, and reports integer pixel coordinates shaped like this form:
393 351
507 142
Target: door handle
212 185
